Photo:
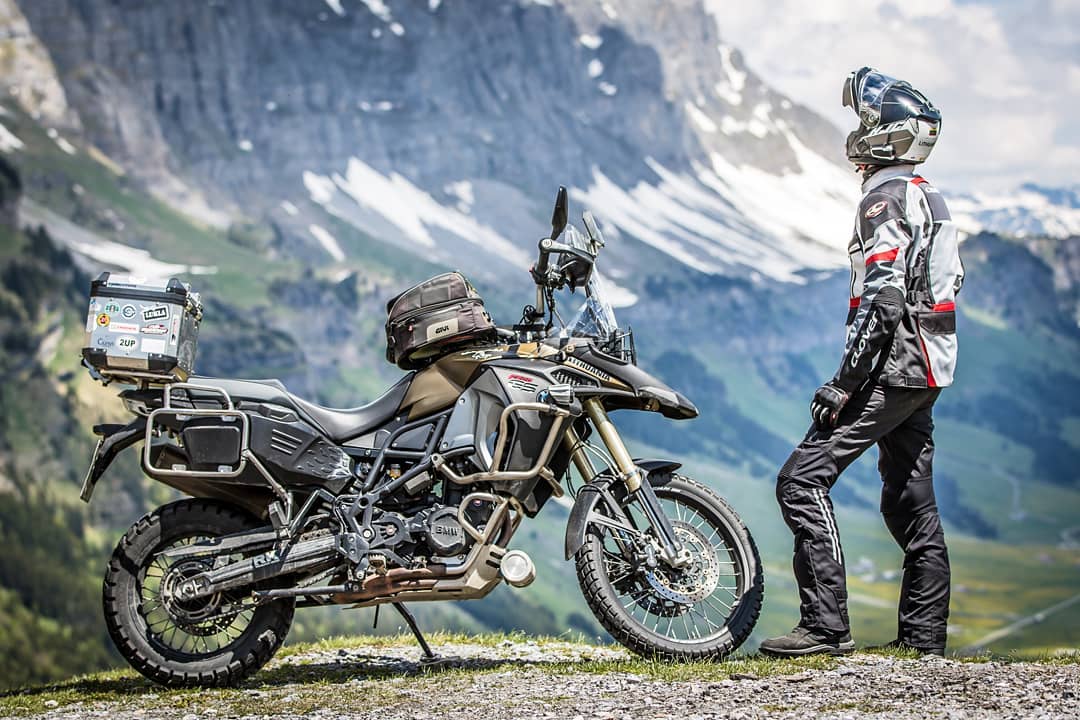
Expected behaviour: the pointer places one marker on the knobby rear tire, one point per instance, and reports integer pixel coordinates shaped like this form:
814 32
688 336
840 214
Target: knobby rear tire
603 601
128 629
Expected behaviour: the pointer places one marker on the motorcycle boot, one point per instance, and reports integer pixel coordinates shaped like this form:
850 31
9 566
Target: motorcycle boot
807 641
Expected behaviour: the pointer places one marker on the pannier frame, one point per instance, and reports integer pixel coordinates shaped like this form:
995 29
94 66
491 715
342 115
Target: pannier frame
228 410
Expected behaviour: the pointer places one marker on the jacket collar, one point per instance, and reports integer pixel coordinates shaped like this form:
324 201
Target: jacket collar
886 174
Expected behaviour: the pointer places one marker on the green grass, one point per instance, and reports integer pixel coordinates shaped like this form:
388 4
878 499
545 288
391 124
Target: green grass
148 222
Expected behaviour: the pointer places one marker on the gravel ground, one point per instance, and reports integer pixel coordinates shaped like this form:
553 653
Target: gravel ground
525 679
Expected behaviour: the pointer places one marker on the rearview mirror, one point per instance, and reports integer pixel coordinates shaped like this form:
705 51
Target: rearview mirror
560 215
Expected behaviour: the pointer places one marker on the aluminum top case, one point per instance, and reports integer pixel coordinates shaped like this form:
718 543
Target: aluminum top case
142 332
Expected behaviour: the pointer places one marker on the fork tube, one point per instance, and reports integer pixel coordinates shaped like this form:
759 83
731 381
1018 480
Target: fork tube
671 549
624 463
572 443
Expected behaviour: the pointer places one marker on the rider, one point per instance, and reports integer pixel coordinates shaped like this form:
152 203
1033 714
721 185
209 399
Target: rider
900 351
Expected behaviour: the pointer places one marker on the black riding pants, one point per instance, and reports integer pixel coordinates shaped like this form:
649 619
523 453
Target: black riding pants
900 422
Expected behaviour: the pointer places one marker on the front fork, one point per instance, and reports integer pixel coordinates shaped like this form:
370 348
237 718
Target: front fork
637 485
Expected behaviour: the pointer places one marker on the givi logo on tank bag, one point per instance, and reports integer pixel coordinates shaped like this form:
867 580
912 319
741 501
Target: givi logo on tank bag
443 329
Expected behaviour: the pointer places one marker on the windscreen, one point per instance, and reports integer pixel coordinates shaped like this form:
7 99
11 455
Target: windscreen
595 317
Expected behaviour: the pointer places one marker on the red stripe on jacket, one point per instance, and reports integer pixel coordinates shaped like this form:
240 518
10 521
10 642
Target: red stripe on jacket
930 381
945 307
887 256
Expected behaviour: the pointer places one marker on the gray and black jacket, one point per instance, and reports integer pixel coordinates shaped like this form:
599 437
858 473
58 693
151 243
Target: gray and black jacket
905 273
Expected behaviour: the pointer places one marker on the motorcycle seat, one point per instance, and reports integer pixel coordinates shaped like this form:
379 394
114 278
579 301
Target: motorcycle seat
339 425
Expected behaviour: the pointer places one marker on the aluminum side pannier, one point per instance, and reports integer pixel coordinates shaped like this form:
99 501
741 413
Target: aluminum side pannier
427 320
142 331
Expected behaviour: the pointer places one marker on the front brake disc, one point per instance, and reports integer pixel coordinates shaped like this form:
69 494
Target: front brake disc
697 580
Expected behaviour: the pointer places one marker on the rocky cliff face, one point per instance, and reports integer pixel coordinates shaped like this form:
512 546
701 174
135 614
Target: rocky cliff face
446 127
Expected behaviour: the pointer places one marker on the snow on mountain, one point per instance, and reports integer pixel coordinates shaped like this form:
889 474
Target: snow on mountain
726 218
92 252
450 139
391 206
8 141
449 132
1030 210
328 241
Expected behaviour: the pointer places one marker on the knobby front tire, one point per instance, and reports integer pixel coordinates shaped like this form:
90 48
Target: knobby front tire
658 627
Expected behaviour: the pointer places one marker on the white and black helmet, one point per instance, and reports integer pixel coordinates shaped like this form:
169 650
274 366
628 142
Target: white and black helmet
897 123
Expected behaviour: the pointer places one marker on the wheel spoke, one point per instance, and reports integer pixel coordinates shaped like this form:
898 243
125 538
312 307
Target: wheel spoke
708 601
716 568
199 627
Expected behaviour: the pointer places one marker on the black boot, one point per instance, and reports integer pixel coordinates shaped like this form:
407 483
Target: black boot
805 641
903 646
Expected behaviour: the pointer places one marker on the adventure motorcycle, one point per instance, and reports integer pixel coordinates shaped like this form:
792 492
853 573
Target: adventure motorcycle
413 497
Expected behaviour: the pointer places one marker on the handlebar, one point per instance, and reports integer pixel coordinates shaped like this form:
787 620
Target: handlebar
545 253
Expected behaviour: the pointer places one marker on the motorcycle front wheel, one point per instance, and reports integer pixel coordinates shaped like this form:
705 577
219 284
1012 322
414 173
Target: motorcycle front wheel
703 611
206 642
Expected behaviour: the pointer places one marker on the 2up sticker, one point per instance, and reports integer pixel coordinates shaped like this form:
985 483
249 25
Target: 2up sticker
127 343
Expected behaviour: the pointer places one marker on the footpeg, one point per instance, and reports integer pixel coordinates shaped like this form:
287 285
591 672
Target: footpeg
517 568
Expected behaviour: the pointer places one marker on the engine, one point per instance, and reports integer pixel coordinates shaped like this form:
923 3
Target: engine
430 533
419 521
444 534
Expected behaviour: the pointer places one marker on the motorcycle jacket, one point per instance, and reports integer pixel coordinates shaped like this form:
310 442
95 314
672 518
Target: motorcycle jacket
905 273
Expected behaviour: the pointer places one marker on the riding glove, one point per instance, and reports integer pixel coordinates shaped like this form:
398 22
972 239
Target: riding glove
828 401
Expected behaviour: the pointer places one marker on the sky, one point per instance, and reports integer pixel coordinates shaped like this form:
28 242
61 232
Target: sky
1004 73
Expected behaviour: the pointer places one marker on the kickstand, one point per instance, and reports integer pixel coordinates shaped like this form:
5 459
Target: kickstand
430 660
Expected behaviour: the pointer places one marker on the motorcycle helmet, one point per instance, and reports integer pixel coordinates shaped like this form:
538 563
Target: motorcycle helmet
897 123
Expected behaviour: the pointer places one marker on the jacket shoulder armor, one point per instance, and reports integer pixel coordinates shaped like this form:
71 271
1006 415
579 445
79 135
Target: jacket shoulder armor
880 205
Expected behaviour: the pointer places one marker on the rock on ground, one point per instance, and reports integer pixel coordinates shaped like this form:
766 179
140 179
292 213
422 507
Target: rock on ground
527 679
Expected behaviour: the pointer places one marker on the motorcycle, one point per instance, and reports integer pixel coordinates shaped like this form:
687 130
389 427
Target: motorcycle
417 495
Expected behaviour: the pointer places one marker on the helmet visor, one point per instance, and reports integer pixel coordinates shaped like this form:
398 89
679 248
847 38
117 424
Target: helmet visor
864 91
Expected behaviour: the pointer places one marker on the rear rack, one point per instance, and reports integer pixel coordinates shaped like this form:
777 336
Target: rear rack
142 378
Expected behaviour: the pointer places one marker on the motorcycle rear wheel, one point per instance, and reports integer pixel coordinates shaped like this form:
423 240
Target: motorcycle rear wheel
161 636
702 613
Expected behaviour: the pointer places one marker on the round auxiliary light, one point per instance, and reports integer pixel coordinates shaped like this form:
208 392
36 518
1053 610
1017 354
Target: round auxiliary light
517 568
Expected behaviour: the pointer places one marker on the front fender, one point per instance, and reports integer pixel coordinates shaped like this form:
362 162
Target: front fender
657 471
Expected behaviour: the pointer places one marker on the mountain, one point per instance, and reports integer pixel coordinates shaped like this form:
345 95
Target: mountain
442 128
300 162
1030 210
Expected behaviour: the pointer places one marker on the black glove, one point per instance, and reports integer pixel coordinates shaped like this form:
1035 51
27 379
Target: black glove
825 408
